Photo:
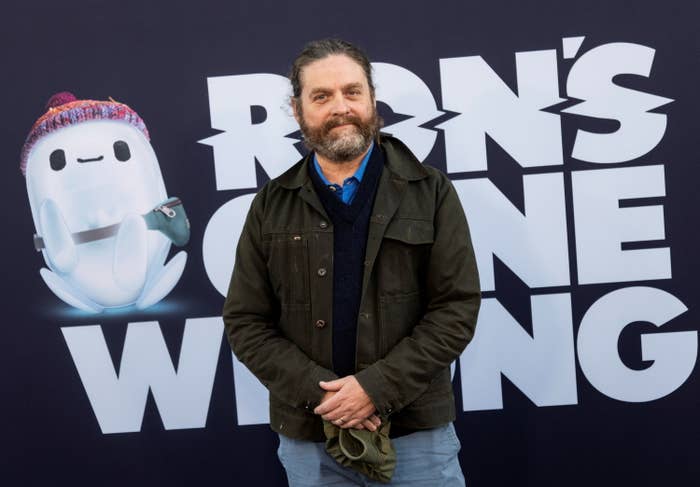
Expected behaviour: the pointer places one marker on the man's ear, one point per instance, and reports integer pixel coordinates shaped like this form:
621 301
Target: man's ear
295 108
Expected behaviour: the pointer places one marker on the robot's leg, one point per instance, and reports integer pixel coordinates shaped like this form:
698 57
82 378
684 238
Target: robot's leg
68 293
157 262
163 282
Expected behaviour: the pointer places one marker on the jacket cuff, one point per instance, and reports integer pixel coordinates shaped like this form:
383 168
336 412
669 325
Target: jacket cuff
311 395
383 394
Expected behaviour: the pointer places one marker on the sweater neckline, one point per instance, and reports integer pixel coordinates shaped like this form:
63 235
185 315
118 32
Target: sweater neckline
365 190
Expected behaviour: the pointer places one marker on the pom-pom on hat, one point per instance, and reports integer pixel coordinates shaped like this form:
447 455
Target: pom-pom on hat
64 109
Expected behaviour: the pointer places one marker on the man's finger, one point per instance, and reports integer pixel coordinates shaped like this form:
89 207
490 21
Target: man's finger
335 408
332 385
351 424
363 412
367 424
327 395
376 420
337 414
329 405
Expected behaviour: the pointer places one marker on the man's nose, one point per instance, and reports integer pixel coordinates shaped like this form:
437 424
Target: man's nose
340 106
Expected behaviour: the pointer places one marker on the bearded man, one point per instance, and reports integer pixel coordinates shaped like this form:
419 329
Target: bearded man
355 286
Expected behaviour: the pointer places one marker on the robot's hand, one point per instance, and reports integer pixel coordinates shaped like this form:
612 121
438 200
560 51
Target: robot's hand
60 248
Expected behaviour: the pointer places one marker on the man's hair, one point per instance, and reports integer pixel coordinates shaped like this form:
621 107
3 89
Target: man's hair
316 50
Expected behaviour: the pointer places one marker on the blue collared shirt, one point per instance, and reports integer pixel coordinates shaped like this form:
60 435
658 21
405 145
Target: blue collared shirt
347 191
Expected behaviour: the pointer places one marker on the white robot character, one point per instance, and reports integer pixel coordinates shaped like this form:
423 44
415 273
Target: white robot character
103 220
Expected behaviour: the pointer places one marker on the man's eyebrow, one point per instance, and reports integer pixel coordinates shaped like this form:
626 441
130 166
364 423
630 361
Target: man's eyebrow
319 90
346 87
352 85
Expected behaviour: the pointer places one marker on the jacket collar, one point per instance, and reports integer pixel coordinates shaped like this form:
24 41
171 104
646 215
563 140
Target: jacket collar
399 160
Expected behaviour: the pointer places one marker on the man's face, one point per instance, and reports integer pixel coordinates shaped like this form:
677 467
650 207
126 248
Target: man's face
336 111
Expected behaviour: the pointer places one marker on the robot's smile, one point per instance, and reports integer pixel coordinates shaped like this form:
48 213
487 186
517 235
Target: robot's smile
91 160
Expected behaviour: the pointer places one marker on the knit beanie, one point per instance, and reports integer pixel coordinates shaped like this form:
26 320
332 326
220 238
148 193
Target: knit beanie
64 109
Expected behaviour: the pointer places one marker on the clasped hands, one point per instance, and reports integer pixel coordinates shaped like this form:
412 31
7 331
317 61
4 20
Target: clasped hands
347 405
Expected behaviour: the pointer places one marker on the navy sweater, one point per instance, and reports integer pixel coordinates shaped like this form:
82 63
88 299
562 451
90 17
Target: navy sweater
350 230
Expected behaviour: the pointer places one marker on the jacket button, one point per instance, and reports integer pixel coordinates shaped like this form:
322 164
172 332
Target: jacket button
320 323
321 272
323 224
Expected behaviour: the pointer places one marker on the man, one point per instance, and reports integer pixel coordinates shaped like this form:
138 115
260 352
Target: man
355 285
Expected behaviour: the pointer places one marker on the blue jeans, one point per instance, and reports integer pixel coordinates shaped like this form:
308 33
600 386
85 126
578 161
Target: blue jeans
425 458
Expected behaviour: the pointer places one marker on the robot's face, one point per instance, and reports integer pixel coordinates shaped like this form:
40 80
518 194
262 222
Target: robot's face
96 172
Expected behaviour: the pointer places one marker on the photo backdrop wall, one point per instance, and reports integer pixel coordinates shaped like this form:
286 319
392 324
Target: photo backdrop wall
568 128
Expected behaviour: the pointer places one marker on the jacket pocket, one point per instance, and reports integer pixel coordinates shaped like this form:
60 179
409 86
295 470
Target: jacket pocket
403 258
410 231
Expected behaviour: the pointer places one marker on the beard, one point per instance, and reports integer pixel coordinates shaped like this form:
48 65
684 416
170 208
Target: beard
344 146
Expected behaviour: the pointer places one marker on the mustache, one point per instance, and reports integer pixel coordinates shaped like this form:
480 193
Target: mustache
342 120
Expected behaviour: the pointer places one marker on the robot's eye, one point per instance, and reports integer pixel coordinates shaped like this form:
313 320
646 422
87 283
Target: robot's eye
57 159
121 151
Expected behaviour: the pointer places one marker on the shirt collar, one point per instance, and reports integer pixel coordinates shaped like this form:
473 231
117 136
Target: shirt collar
358 174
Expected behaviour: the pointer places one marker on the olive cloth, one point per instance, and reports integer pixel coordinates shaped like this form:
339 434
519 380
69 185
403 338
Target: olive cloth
368 452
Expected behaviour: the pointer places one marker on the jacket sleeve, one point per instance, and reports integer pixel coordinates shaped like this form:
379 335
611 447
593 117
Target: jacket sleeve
453 300
251 313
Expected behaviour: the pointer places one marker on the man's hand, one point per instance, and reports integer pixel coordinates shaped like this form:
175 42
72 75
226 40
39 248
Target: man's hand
326 396
349 406
371 423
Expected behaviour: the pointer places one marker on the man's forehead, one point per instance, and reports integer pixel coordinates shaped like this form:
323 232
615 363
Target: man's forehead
337 70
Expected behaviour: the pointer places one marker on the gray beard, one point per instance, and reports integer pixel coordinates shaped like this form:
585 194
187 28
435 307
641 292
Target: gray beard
342 148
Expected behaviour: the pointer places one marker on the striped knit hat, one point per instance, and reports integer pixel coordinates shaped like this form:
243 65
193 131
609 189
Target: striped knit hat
65 109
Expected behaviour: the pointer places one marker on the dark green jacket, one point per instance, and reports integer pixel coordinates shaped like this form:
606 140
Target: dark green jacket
420 296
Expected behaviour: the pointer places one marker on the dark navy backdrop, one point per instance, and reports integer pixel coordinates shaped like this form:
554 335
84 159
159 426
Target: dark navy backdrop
156 57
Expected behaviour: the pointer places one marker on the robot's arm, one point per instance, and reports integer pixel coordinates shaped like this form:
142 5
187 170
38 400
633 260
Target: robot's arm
60 248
